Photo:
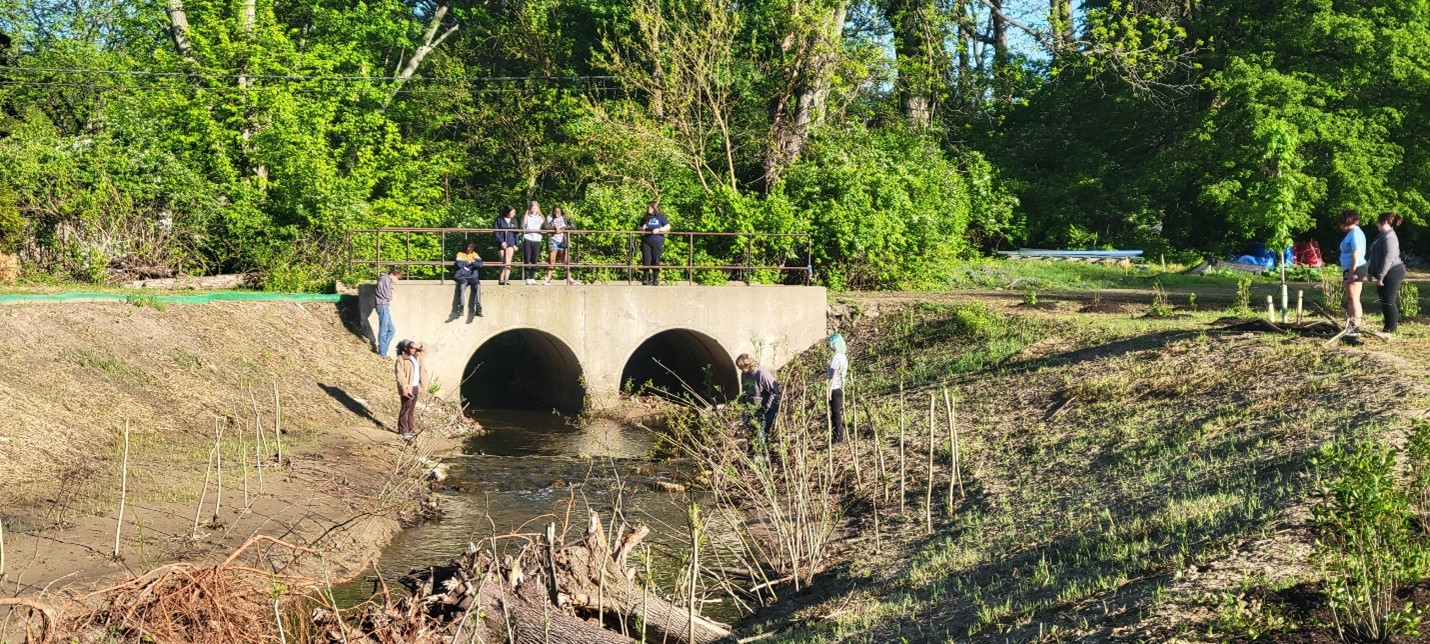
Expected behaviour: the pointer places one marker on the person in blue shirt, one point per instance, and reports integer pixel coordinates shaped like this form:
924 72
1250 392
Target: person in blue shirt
655 225
506 241
1353 265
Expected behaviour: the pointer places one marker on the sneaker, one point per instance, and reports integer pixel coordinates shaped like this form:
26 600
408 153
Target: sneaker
572 282
547 282
530 282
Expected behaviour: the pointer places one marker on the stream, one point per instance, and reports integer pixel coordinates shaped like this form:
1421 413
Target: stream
529 469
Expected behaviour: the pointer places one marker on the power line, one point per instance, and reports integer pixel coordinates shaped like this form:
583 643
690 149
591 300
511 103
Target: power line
298 77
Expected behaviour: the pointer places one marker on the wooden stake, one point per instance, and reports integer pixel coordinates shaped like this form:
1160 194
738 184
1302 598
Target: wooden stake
853 421
955 475
903 488
243 458
123 493
278 422
1300 294
928 491
203 492
218 457
2 550
258 455
879 456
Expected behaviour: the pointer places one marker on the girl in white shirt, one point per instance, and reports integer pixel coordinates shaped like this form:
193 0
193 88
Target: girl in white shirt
838 370
531 242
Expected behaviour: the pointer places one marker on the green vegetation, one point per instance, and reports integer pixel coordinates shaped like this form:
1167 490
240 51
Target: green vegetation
904 136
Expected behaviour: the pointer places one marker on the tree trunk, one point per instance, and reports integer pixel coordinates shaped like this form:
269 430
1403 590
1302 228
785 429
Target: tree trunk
430 41
179 28
247 22
922 66
1000 36
797 113
1060 25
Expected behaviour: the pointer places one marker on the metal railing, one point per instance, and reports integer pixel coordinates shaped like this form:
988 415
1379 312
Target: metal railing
591 252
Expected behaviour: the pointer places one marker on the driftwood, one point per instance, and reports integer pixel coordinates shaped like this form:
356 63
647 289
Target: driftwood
207 282
549 592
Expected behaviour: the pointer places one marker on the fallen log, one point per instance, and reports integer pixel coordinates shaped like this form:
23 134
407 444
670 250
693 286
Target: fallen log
547 592
206 282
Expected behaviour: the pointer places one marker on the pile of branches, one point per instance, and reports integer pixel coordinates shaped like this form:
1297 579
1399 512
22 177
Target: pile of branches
549 591
223 604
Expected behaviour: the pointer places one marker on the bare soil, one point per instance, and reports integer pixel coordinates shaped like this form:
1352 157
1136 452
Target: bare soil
177 375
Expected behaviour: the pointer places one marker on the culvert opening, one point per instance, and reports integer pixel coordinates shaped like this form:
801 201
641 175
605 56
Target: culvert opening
523 369
670 361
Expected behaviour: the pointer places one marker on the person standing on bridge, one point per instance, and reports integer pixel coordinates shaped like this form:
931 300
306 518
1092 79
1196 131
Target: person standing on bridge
759 389
464 273
412 378
531 223
560 246
385 292
655 226
506 242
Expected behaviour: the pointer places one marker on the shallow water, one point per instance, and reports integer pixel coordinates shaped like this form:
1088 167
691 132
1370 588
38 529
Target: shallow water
530 469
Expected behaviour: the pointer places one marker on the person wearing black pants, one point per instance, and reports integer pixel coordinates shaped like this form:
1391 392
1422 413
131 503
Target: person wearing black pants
531 242
464 273
1386 270
655 226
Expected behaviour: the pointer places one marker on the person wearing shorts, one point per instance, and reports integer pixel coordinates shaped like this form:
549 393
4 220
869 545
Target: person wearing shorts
1353 265
560 245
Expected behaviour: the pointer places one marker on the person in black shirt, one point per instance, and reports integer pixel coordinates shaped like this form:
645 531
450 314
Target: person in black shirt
759 388
655 226
506 242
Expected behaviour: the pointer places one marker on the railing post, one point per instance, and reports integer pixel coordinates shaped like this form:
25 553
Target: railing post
630 258
378 235
442 256
690 267
809 260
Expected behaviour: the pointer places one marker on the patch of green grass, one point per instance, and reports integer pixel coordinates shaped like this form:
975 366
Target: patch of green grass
105 362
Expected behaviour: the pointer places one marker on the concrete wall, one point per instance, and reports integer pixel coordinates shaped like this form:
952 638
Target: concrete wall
603 324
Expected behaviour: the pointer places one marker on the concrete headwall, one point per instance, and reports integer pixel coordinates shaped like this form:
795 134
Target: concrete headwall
599 327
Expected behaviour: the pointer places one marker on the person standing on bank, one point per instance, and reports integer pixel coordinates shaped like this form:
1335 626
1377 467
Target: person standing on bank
465 274
531 222
412 378
1386 270
506 242
760 389
385 292
838 371
560 248
1353 265
655 226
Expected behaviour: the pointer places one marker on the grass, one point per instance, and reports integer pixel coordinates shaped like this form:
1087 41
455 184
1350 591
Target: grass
106 362
1174 446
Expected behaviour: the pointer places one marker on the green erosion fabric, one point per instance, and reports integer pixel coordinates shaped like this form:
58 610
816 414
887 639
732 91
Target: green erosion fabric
23 298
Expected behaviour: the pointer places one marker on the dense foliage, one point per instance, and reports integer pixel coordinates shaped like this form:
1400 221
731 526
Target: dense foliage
902 134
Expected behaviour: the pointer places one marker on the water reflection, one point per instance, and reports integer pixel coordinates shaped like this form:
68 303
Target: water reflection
530 469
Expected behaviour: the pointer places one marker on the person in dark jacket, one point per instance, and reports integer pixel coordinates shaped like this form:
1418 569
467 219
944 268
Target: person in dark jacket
464 273
655 226
506 241
760 389
1386 270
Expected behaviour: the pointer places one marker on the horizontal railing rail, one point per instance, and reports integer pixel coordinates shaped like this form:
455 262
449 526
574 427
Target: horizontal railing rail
608 250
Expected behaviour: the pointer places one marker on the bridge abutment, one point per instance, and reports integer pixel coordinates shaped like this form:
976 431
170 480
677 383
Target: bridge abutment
538 344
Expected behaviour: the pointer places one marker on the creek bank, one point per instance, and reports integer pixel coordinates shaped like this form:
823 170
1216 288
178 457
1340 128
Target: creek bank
180 375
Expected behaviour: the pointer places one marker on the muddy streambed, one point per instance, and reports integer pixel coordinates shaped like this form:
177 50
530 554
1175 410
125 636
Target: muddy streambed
530 469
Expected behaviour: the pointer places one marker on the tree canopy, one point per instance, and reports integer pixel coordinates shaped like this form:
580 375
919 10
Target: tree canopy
902 134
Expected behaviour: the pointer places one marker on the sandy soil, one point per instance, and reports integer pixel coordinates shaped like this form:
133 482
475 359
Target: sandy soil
176 376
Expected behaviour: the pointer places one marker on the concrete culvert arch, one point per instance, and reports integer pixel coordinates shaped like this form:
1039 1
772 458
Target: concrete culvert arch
696 360
524 369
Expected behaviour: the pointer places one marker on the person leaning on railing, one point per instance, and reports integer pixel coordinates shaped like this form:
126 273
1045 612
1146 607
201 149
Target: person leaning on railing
655 226
506 242
560 245
531 224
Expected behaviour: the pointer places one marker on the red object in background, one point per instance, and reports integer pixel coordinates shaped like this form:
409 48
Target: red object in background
1309 254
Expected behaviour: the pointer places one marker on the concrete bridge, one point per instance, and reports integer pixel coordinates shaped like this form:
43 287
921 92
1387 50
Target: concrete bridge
574 347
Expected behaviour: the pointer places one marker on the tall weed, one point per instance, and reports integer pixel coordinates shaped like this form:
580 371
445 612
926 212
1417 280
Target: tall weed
1364 541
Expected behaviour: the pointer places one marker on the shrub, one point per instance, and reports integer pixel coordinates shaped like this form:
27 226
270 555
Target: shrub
1364 540
1409 300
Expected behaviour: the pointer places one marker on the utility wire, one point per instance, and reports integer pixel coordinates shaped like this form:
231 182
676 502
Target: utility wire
297 77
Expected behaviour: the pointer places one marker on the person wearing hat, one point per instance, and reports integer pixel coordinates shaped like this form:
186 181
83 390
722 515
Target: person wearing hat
412 377
838 370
